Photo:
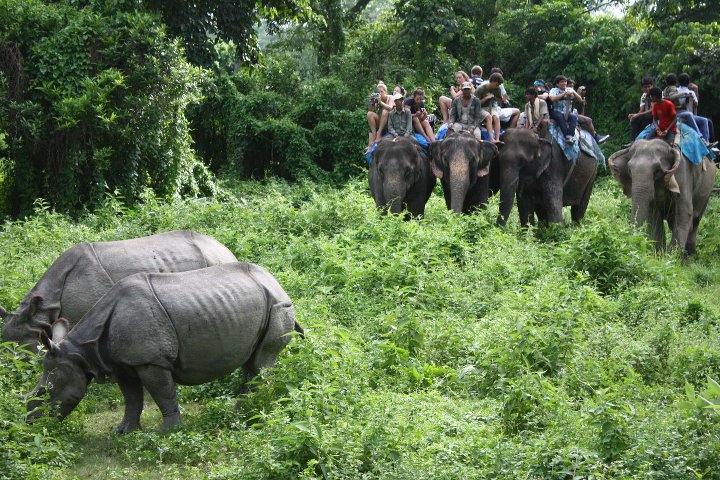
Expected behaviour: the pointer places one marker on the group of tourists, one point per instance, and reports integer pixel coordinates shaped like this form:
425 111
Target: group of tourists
677 102
474 103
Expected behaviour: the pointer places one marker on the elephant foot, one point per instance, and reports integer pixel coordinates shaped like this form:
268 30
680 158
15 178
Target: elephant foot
171 422
127 427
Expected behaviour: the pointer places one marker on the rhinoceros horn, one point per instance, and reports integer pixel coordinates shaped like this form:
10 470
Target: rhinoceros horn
49 344
59 329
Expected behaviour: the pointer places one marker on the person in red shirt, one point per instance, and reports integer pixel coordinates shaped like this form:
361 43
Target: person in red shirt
664 117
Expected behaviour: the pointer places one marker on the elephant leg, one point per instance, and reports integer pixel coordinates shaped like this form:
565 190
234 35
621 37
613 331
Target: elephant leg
525 210
477 196
656 229
552 198
691 244
415 201
159 382
681 229
540 212
577 212
132 391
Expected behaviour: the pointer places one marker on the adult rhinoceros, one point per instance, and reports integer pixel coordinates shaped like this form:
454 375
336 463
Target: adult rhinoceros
153 330
87 271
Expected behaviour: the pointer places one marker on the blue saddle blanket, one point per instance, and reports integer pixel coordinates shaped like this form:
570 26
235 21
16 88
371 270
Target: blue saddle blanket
422 141
443 130
583 141
691 144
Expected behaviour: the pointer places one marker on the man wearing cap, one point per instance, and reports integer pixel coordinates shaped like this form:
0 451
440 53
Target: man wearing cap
400 119
467 113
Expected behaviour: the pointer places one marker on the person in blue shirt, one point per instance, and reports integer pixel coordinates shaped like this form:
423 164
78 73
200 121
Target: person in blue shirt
562 99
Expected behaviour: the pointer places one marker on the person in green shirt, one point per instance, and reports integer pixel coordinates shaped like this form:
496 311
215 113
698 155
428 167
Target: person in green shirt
490 97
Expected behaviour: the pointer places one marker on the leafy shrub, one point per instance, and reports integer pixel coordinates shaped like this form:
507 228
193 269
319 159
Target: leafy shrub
612 256
99 105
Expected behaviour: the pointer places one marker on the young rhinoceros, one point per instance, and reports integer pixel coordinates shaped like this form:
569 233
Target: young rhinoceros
154 330
86 271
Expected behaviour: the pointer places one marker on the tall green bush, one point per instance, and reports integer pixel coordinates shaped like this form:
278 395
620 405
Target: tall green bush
95 101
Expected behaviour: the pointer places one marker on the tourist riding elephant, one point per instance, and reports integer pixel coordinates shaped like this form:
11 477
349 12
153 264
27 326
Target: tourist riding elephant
400 177
462 164
544 181
664 186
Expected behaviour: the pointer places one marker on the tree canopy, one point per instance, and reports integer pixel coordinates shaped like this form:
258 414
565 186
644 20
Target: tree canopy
125 95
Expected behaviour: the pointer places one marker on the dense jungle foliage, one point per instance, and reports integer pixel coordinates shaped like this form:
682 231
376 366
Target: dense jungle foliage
443 348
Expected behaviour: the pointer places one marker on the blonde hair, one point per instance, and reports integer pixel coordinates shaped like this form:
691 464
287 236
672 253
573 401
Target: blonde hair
465 76
381 84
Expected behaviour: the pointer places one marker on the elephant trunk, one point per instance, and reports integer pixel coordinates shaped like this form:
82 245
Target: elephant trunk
395 191
508 187
643 194
459 185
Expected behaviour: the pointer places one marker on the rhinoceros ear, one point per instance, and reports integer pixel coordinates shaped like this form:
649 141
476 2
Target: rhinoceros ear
35 303
59 329
49 344
3 312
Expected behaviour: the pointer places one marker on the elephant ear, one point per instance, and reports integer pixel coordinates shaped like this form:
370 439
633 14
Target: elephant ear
487 151
618 163
669 173
543 156
437 163
420 159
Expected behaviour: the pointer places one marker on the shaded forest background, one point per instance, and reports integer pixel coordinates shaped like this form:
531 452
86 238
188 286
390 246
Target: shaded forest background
157 97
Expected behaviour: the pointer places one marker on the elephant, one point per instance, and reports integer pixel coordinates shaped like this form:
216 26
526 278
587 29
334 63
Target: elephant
544 180
400 177
462 163
664 186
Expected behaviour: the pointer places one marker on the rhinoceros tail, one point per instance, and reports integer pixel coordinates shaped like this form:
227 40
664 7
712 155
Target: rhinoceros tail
300 330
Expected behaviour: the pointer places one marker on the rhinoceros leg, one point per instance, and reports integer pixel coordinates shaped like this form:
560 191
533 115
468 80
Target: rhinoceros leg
281 322
132 391
159 383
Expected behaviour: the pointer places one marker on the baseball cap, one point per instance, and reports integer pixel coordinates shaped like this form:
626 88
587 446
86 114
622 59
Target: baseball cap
467 85
398 96
539 83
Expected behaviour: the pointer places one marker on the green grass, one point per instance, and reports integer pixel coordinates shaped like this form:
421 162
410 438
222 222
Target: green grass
439 348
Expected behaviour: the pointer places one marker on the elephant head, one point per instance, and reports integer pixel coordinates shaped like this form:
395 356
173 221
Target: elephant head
394 170
522 160
459 161
646 172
